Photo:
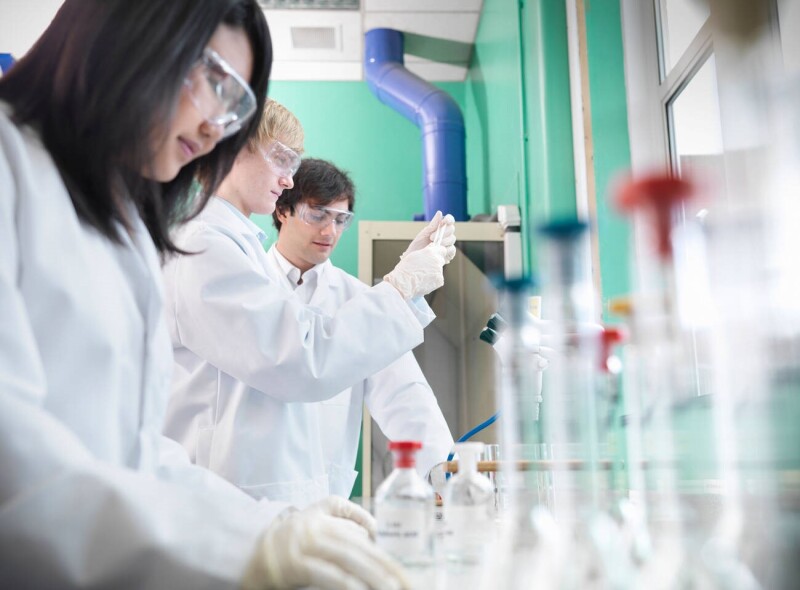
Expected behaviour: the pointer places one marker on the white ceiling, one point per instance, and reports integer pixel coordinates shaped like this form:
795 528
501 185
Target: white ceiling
450 20
22 21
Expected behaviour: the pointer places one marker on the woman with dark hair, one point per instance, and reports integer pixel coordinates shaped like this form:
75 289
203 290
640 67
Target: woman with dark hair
104 127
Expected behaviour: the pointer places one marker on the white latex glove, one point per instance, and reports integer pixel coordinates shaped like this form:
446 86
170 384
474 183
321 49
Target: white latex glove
327 546
419 273
341 508
430 233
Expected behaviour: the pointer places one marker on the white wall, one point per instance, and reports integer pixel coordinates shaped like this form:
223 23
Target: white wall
21 23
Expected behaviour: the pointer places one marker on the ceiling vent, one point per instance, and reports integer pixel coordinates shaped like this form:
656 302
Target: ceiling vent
310 4
314 38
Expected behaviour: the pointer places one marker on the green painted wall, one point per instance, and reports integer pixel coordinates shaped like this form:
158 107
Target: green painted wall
548 137
382 151
518 112
519 127
496 171
610 135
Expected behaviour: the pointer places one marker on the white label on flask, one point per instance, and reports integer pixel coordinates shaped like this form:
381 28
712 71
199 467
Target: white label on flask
403 533
468 527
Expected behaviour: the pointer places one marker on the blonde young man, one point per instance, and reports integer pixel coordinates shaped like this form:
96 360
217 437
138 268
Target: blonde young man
249 355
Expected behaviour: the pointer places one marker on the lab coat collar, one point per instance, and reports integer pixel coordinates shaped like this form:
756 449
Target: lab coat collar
222 207
293 273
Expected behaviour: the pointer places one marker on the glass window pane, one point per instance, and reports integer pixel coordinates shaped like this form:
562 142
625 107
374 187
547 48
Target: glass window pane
789 15
696 145
681 20
696 128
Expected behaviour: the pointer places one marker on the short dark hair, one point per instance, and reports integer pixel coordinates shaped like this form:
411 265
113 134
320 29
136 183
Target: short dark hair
319 182
106 74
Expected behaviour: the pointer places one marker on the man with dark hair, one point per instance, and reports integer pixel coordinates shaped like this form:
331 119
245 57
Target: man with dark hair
320 182
310 218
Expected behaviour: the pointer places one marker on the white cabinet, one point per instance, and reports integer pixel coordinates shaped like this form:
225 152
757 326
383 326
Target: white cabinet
458 365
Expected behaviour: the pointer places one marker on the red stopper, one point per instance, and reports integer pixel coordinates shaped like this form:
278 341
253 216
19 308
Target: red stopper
610 337
658 193
404 451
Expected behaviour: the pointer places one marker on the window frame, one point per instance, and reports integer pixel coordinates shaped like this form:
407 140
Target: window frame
651 91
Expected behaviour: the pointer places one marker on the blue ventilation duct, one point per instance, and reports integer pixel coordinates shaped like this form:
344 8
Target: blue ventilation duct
429 108
6 61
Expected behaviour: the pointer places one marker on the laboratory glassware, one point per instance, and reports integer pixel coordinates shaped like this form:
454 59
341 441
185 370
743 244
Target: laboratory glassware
468 508
663 379
404 509
528 538
570 432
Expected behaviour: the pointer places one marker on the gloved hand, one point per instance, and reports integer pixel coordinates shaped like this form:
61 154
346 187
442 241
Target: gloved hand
326 545
419 272
341 508
428 234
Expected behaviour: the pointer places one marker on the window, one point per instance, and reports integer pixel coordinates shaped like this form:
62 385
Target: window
679 23
678 73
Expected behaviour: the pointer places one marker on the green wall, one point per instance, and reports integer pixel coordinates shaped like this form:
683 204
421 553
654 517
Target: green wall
382 151
493 116
519 133
610 136
519 125
550 158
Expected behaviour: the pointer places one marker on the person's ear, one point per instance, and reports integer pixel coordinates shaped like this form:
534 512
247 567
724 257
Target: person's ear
282 214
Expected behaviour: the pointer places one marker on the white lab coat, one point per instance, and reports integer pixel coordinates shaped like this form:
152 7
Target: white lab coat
91 494
251 360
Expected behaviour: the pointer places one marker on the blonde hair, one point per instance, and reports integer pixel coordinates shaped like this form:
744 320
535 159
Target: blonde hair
278 122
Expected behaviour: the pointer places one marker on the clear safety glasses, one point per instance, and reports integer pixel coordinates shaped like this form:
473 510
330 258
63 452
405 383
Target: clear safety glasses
219 93
322 217
283 160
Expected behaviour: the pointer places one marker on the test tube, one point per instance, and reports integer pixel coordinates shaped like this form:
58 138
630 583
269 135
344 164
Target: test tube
527 540
610 407
570 428
437 236
569 410
520 392
661 378
491 453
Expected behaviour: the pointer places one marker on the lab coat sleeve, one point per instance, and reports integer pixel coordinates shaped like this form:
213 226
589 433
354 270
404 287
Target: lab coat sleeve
404 406
176 467
69 520
237 318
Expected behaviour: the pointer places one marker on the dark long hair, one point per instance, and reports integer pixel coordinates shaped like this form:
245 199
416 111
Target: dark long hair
103 77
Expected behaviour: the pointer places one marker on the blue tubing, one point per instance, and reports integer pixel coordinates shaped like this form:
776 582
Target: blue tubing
472 433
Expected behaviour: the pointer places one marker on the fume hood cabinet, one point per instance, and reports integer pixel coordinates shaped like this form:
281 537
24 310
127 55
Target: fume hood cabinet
458 365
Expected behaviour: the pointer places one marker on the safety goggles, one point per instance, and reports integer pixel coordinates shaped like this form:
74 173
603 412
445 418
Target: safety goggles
219 93
322 217
283 160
